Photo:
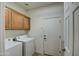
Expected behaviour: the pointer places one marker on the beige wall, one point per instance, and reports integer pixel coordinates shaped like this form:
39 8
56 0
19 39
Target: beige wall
14 33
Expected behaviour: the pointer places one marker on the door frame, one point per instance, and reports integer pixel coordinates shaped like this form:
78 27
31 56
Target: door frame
2 29
74 29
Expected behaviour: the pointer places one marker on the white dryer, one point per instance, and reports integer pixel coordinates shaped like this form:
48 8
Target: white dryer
28 45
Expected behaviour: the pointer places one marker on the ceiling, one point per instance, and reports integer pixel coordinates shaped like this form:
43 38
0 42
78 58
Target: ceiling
31 5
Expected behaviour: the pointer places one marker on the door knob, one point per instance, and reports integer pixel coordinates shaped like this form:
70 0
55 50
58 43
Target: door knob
59 36
45 37
64 50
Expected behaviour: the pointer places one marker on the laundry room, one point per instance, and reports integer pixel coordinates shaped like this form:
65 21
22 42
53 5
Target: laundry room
34 28
39 29
28 30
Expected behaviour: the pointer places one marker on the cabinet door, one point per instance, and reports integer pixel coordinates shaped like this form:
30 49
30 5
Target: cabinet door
26 23
6 19
10 18
17 21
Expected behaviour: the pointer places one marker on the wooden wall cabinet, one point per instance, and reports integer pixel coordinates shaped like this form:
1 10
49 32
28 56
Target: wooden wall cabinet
16 21
8 18
26 23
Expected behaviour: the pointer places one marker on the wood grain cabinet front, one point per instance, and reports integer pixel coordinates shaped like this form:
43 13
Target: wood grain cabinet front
16 21
7 18
26 23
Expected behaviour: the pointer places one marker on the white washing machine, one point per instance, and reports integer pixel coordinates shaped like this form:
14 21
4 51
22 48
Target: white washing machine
13 48
28 45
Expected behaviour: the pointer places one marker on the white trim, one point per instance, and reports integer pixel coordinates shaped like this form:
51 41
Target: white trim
2 6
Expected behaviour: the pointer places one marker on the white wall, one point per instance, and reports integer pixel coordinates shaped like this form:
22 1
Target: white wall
14 33
43 12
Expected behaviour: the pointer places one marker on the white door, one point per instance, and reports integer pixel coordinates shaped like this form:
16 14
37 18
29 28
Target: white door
76 32
52 35
71 28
